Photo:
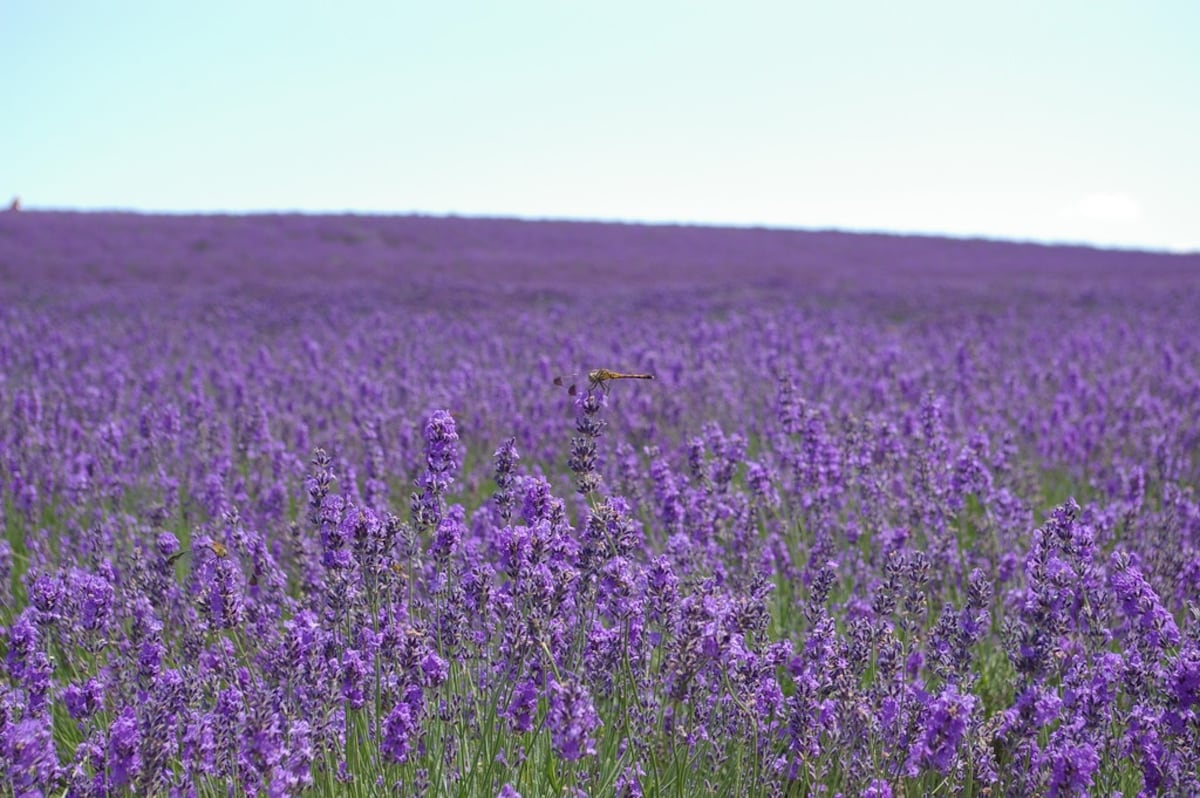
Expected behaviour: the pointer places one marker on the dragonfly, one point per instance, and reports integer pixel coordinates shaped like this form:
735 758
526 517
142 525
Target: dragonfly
598 379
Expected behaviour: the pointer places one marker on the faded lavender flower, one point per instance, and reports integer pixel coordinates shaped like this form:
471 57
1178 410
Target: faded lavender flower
584 457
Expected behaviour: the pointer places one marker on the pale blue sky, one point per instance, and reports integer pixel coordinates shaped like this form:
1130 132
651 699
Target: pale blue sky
1062 121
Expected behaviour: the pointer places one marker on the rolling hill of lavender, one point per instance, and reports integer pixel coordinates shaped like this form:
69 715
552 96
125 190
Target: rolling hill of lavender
292 505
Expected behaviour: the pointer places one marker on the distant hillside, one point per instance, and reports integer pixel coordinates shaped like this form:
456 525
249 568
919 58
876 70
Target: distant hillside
64 253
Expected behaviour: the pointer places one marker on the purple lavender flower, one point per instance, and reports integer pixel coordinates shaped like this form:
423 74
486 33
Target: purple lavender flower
584 455
222 592
199 745
401 727
1072 767
629 783
28 664
506 458
1144 741
449 535
318 485
523 706
354 671
50 595
27 751
166 544
878 788
368 536
789 406
124 748
946 719
1184 679
434 670
294 773
96 597
442 461
441 443
762 483
572 720
337 523
1151 621
84 700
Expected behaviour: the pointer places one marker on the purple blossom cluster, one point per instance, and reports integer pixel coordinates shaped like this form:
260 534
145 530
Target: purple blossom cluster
292 506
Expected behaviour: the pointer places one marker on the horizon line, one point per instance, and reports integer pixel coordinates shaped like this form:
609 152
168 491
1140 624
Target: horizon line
616 221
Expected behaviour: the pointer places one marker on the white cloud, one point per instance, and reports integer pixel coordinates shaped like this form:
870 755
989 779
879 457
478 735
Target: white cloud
1105 206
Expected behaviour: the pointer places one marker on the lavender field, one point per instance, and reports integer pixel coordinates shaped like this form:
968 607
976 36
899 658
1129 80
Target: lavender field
292 505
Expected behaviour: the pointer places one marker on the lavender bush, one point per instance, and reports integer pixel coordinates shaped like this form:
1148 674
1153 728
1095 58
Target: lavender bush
292 506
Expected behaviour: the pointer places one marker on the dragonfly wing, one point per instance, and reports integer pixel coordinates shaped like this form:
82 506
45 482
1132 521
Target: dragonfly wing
568 381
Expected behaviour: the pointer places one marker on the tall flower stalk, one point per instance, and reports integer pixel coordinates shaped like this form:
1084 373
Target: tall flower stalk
590 425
